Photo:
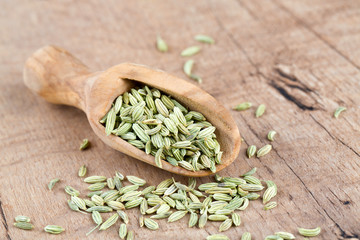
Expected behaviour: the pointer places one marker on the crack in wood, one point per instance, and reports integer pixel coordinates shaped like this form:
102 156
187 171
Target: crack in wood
290 97
335 138
343 234
4 221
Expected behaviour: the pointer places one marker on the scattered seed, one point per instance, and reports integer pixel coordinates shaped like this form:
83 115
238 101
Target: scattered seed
260 110
161 44
264 150
52 183
85 144
82 171
309 232
242 106
204 39
190 51
271 135
54 229
338 111
24 225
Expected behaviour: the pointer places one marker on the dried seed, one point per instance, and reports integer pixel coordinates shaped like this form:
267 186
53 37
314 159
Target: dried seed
251 151
128 189
251 172
97 219
190 51
151 224
97 186
246 236
242 106
82 171
122 231
71 191
101 209
176 216
217 237
79 202
193 219
123 216
133 203
52 183
109 222
269 194
245 204
54 229
203 219
309 232
285 235
110 183
188 67
273 237
215 217
163 209
338 111
236 219
85 144
95 179
204 39
161 44
270 205
271 135
110 121
136 180
158 160
260 110
24 225
130 235
22 219
225 225
115 205
264 150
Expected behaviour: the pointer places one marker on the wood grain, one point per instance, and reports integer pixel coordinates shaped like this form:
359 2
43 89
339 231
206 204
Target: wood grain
315 161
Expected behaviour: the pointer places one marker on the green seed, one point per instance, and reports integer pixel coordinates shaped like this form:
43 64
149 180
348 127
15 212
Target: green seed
264 150
225 225
123 216
188 67
338 111
190 51
246 236
109 222
260 110
85 144
176 216
161 44
151 224
309 232
130 235
22 219
217 237
236 219
269 194
52 183
251 172
271 135
136 180
54 229
71 191
24 225
204 39
270 205
285 235
82 171
110 122
242 106
95 179
122 231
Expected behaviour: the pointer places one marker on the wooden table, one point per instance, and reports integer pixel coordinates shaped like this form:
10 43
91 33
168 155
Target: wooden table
315 161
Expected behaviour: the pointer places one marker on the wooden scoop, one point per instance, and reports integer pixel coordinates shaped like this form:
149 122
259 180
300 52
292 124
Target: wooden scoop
60 78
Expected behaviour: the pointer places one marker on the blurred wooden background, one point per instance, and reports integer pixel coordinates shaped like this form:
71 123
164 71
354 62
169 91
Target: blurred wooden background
315 162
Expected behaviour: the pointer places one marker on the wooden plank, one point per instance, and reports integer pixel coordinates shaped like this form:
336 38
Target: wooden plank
315 157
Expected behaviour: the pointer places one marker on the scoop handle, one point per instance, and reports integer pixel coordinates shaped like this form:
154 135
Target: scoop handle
57 76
